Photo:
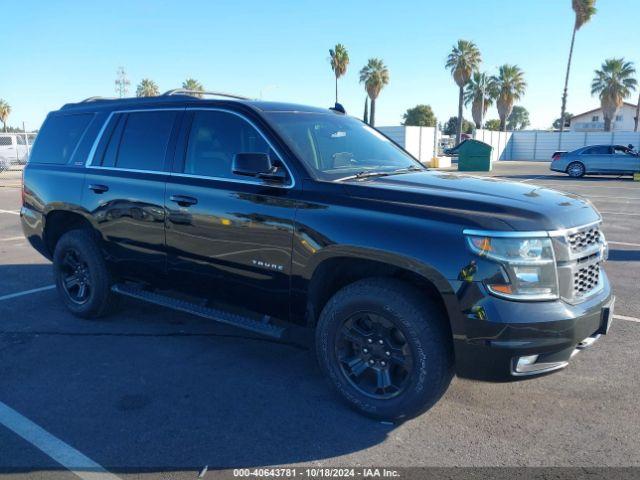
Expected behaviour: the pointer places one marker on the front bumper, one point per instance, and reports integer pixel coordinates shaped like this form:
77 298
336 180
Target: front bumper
498 332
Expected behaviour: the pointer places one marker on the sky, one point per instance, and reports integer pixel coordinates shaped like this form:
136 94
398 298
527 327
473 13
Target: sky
55 52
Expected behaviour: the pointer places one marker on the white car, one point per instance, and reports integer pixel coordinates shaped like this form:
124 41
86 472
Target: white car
16 146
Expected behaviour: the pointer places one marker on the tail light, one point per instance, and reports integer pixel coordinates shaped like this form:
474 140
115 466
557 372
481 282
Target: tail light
555 156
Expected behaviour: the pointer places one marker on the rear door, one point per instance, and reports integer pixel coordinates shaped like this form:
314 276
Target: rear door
624 160
124 189
229 237
597 159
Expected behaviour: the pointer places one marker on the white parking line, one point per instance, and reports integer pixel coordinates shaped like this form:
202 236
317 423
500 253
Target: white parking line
11 239
26 292
13 212
625 244
621 213
64 454
628 319
610 197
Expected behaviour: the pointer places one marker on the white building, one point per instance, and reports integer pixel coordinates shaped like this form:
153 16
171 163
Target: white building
593 120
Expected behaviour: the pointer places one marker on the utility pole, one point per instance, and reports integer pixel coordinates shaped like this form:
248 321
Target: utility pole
122 83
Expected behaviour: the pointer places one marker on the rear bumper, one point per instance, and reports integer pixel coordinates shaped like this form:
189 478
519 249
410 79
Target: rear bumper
498 332
32 226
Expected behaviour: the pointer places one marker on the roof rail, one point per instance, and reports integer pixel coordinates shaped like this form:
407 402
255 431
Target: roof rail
93 99
184 91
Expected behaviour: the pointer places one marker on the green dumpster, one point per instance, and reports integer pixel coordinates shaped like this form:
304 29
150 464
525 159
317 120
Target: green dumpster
474 156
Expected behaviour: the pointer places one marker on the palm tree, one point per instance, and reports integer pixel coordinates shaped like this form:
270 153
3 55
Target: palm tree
193 85
375 76
584 10
5 111
511 87
613 83
339 58
463 60
480 92
147 88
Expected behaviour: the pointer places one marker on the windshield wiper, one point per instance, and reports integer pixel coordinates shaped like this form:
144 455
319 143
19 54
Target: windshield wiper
369 173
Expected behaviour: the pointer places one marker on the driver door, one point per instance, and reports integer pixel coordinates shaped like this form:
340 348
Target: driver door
625 160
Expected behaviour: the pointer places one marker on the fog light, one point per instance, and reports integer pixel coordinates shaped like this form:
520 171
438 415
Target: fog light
524 363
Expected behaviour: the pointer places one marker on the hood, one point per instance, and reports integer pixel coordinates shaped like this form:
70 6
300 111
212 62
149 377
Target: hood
481 202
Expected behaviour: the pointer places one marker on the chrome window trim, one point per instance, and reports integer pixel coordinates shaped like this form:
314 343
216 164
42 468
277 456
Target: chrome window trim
530 234
94 148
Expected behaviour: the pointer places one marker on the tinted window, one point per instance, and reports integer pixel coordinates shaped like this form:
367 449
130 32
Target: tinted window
599 150
144 140
337 146
58 138
20 139
5 141
214 139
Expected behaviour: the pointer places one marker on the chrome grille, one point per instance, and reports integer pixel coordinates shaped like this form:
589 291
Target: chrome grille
586 279
583 239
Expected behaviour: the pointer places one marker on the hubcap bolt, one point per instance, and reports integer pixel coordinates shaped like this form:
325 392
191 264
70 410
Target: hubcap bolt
369 340
365 350
380 342
388 354
383 363
371 362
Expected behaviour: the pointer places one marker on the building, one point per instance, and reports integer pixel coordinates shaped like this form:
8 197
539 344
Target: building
593 120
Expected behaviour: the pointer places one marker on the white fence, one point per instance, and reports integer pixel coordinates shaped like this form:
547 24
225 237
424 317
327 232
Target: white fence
422 142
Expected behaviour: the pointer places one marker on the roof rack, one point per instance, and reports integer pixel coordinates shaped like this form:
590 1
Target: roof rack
93 99
184 91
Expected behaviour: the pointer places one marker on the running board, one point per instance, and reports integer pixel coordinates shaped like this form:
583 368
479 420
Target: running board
264 327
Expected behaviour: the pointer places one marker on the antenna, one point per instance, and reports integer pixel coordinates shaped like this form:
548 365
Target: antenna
122 83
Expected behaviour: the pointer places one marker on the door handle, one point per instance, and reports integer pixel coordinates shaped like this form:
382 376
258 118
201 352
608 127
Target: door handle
183 200
98 188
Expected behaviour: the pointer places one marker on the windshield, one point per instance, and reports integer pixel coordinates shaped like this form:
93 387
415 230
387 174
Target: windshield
336 147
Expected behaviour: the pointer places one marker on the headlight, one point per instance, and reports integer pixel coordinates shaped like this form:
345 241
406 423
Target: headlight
528 266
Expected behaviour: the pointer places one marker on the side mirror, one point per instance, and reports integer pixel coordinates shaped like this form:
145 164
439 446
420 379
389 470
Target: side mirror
255 165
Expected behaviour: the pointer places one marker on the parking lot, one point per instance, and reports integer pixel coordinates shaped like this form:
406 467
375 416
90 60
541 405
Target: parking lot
151 390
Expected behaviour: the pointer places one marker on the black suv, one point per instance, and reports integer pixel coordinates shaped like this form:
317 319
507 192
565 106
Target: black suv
263 215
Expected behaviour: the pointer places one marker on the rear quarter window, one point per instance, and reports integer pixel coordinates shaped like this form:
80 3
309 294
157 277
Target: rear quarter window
59 137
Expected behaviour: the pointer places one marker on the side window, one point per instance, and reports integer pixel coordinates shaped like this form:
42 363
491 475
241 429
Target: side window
599 150
143 139
59 137
20 139
214 138
5 141
621 151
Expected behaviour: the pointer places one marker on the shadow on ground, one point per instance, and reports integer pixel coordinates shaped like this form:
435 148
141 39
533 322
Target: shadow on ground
149 389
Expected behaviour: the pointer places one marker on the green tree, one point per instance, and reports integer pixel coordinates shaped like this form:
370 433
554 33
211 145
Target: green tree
419 116
511 87
451 127
339 59
463 60
493 124
613 83
519 119
193 85
567 121
584 10
5 111
480 90
375 76
147 88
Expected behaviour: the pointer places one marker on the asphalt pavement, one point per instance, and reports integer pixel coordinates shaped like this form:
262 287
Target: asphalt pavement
153 391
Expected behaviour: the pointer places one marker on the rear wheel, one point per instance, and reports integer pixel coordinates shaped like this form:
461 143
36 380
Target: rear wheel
385 348
82 278
576 169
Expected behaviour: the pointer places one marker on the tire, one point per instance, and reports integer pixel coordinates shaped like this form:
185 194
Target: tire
576 170
77 255
407 318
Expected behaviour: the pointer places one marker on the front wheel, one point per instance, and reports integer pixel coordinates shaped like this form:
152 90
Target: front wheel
385 348
82 278
576 170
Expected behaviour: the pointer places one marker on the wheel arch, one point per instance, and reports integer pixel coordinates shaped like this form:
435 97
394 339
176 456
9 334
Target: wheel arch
58 221
340 266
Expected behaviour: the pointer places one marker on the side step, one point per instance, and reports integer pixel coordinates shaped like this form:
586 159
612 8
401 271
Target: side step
240 321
